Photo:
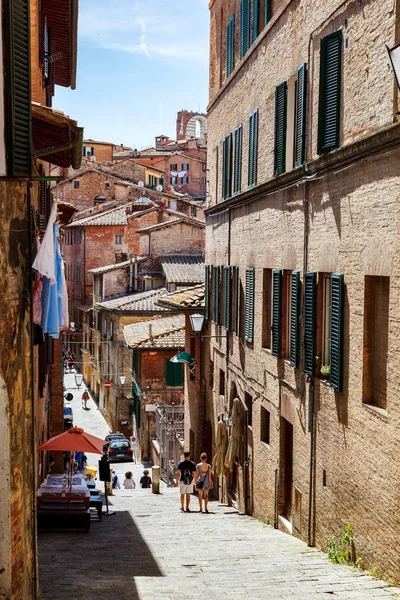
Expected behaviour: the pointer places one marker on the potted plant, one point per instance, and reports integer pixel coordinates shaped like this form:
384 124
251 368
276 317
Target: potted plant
323 371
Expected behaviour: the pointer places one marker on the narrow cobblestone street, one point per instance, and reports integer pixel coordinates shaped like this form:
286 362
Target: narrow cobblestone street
150 550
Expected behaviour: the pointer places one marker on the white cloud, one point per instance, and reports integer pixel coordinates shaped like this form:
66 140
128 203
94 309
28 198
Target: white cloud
157 29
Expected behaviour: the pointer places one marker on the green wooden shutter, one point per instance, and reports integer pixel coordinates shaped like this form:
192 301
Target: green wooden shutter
230 46
227 167
280 127
244 27
294 319
255 30
301 103
237 176
227 297
236 276
253 148
267 11
173 373
249 306
329 92
18 94
216 295
337 302
207 293
310 322
276 312
223 178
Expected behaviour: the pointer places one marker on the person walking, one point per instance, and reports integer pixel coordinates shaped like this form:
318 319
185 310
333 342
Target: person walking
115 481
129 482
184 478
145 480
203 481
85 398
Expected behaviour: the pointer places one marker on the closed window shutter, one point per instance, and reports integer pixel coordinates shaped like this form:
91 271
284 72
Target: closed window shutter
237 176
227 167
337 301
244 27
227 297
301 103
310 322
255 30
230 46
267 11
216 295
249 307
276 312
294 319
253 148
236 276
329 92
207 293
174 374
280 128
18 97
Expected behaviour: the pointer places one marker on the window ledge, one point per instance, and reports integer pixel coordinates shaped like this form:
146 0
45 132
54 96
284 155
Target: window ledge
285 524
265 445
381 412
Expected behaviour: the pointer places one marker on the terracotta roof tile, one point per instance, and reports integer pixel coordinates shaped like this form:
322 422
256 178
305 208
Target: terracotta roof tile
139 302
187 298
165 330
183 268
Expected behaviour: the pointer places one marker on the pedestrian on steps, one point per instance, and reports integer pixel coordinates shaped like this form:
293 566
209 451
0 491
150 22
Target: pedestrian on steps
129 482
203 481
85 398
145 480
184 478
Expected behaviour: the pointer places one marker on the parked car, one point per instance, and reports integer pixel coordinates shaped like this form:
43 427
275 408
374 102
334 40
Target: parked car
68 416
119 450
113 437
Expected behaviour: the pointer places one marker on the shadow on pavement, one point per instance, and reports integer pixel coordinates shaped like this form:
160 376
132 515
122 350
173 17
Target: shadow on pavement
101 563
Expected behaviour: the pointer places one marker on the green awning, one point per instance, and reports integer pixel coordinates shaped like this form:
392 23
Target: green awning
184 357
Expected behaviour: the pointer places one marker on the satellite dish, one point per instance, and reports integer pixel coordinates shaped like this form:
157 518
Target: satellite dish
140 184
159 188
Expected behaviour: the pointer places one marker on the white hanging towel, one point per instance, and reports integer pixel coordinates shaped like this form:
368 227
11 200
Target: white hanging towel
174 173
182 173
44 261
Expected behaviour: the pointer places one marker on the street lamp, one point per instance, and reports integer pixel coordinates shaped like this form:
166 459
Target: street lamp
196 322
122 379
72 325
78 379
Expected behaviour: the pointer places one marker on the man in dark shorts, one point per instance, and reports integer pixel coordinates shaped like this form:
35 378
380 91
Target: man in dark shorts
184 478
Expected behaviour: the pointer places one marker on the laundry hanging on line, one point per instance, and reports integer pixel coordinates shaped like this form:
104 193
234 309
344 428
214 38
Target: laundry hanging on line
52 314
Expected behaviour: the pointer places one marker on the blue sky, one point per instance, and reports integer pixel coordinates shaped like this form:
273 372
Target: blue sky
139 62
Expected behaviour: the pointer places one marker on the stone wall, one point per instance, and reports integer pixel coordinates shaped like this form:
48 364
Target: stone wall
336 215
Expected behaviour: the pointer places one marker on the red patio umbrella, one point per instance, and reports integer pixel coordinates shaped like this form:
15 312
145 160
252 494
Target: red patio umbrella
74 440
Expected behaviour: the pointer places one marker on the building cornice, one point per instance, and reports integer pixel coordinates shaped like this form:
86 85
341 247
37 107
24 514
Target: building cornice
368 146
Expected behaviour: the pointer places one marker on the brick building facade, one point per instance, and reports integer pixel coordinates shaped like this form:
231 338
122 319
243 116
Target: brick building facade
304 272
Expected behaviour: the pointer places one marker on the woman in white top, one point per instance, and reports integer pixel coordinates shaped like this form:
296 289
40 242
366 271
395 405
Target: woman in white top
129 482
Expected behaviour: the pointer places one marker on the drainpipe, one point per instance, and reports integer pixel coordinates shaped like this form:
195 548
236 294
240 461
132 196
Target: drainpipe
130 273
136 272
311 426
35 581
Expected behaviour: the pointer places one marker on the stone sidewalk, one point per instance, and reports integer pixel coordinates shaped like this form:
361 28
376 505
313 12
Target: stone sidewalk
149 550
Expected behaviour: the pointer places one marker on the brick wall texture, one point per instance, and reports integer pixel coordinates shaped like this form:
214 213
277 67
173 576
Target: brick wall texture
343 220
